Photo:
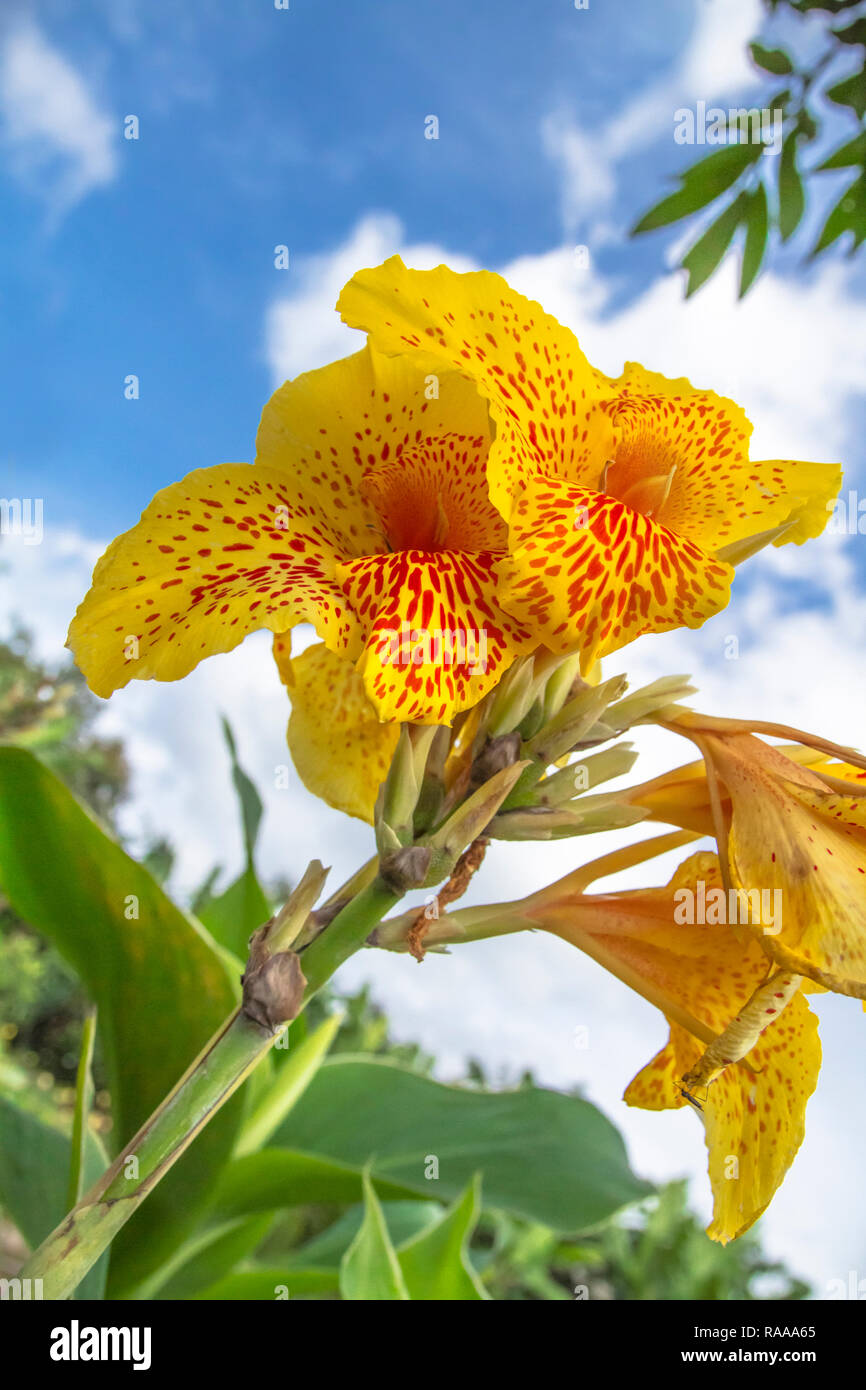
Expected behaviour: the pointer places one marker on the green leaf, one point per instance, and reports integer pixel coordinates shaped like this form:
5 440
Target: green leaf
275 1178
265 1284
248 796
234 915
81 1114
356 1108
703 258
792 197
436 1264
757 226
701 184
34 1162
849 215
370 1271
293 1076
852 33
209 1257
851 92
159 984
405 1221
853 152
773 60
315 1267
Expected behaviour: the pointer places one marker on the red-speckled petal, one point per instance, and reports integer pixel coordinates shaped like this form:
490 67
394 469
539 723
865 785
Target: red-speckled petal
531 369
698 443
437 639
588 572
754 1112
329 428
214 557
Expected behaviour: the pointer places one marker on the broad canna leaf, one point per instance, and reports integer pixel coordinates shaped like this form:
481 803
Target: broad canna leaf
542 1155
35 1161
160 984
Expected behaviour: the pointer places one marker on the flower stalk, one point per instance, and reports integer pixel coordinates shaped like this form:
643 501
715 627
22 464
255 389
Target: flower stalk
226 1061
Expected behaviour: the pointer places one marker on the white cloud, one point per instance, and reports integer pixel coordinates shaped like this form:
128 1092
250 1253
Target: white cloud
713 63
57 139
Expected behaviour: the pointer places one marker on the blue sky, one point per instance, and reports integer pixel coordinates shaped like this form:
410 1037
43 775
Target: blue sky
261 127
305 127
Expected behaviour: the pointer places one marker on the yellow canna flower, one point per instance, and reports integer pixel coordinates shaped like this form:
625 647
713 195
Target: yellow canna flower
465 490
743 1046
366 513
790 821
627 499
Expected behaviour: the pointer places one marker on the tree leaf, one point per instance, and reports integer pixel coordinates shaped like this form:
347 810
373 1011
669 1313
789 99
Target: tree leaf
853 152
792 197
848 215
852 33
851 92
773 60
436 1264
159 983
370 1271
411 1125
757 227
703 258
701 183
34 1166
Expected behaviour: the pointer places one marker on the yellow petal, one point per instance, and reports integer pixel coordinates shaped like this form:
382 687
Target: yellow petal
331 429
437 638
216 556
754 1122
340 749
701 976
700 441
789 832
530 368
587 572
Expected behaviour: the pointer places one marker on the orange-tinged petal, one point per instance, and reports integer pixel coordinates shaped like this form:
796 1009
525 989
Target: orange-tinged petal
789 831
717 496
754 1122
437 638
587 571
531 369
341 750
332 428
702 976
214 557
681 796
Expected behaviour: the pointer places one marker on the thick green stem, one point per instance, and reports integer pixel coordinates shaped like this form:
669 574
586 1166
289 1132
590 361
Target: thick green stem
74 1246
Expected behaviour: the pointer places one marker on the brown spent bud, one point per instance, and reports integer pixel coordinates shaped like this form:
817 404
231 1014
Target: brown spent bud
406 868
497 754
273 990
